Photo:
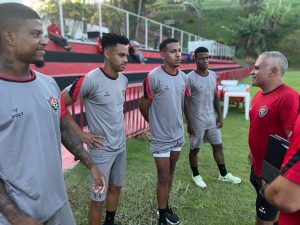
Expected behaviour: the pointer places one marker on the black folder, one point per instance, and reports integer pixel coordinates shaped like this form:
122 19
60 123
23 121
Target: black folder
276 149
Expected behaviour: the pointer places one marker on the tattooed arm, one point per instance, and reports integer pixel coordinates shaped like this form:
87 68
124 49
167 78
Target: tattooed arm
11 211
72 142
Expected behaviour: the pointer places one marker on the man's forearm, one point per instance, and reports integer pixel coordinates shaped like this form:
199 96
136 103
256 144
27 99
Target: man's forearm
7 206
72 142
217 105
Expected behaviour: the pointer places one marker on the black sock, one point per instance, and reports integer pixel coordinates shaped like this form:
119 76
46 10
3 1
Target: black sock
195 171
110 217
276 223
222 169
162 216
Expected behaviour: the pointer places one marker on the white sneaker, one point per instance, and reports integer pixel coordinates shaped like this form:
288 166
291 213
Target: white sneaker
199 181
230 178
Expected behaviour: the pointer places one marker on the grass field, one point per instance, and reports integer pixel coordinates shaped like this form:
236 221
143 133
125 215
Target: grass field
219 204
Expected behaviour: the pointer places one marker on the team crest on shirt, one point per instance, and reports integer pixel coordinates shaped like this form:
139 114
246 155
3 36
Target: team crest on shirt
263 110
53 102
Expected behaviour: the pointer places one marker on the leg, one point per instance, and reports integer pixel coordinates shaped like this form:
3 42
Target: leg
265 213
219 158
95 212
112 202
104 161
117 177
193 158
218 153
195 142
174 156
163 181
113 196
57 40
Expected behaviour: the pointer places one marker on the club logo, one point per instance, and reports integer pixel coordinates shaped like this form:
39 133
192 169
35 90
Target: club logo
263 110
53 102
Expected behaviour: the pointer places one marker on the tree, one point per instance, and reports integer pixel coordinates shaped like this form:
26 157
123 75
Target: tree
263 31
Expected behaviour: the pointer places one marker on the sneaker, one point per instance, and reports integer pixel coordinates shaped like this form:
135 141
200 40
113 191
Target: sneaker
171 217
199 181
230 178
161 223
68 48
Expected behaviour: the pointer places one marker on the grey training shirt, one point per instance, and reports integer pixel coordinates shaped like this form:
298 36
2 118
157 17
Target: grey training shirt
103 99
166 92
201 103
30 145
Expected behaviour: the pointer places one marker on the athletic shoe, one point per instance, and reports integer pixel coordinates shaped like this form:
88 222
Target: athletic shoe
171 217
161 223
230 178
199 181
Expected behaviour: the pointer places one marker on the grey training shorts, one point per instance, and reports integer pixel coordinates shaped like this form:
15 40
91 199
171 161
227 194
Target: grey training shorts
113 167
211 135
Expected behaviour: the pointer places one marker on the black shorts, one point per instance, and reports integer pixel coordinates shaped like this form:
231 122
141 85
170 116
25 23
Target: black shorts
264 210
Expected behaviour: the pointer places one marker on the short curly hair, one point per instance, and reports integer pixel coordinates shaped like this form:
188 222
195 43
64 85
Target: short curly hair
111 40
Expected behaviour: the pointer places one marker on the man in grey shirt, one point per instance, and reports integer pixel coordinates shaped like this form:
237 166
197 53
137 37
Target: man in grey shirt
103 93
162 106
204 125
32 126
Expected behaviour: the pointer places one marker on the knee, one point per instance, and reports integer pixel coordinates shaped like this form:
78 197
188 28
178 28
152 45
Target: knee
112 189
97 205
217 148
194 152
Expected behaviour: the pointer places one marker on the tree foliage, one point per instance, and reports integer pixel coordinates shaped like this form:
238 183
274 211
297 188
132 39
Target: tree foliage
71 9
262 30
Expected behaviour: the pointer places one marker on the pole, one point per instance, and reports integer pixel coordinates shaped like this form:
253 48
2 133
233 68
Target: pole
61 18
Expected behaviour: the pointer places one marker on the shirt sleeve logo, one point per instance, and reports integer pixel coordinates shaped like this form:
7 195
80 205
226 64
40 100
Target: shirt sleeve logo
53 102
263 110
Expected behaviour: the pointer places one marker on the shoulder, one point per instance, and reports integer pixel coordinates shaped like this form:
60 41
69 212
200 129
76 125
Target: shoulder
289 90
46 80
212 73
155 73
156 70
123 77
43 77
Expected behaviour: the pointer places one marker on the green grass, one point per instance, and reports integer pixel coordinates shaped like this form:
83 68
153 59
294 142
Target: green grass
219 204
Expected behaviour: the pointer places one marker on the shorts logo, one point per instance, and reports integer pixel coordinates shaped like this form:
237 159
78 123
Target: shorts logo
53 102
262 210
263 111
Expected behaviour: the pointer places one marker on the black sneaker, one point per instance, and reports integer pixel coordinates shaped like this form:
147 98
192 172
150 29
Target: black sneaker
162 223
172 218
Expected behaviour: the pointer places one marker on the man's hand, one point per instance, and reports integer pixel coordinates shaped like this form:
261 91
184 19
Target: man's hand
98 179
23 219
92 140
219 122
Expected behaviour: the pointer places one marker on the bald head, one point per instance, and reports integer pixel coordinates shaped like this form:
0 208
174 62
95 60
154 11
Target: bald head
13 15
278 60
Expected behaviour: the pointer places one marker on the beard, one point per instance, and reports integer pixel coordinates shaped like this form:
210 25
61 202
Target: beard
39 63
